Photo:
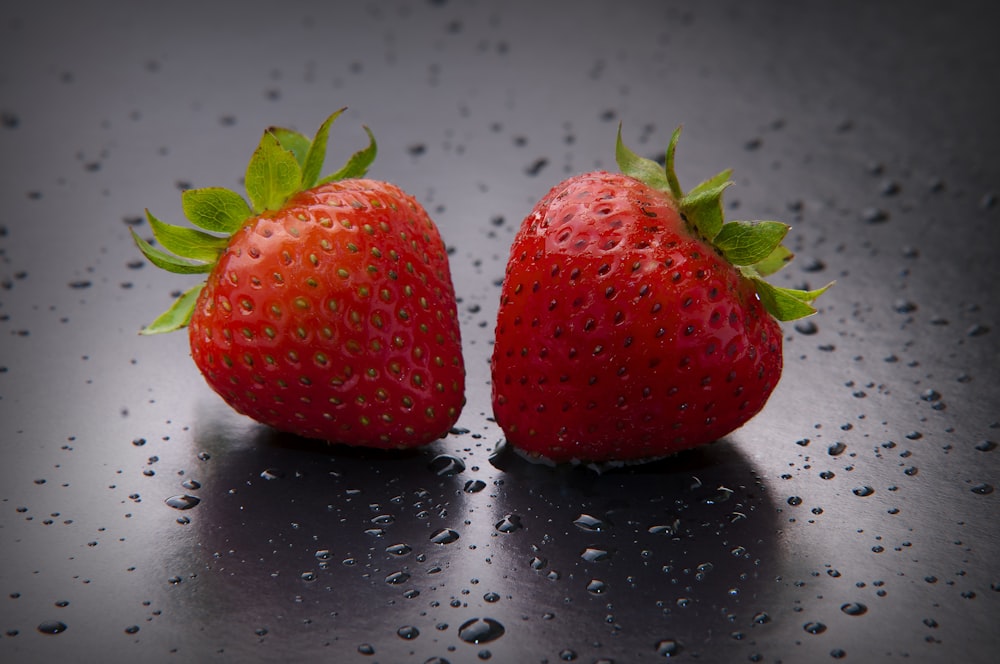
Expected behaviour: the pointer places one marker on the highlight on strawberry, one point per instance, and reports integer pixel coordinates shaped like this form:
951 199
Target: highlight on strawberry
328 310
634 321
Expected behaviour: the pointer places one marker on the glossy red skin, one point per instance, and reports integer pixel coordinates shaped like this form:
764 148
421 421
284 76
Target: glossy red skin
619 335
335 318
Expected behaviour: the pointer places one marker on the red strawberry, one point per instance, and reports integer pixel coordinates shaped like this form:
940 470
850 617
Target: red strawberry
633 322
329 309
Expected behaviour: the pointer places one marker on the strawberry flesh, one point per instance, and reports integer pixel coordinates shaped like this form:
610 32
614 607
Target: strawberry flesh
621 335
335 318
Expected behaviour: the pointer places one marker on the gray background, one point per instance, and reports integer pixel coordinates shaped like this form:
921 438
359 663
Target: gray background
866 125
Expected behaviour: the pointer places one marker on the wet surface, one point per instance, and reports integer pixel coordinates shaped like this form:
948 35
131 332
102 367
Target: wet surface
853 519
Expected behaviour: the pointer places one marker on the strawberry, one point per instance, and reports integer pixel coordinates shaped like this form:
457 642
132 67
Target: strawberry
633 321
328 309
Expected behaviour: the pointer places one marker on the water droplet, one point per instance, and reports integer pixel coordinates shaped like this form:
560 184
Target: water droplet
182 501
491 597
762 618
983 489
398 549
794 501
474 486
397 578
408 632
444 536
854 609
668 529
986 446
132 629
806 327
593 555
977 330
930 395
272 474
366 649
721 495
904 306
863 491
669 648
589 523
52 627
874 215
836 449
480 630
814 627
509 524
446 465
308 576
827 475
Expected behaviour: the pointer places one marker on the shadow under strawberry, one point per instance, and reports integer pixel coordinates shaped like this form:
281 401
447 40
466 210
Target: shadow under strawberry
348 548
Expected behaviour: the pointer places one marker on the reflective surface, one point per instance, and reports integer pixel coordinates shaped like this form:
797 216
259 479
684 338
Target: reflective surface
853 519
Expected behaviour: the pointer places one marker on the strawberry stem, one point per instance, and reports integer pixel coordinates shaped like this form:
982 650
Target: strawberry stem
752 246
284 163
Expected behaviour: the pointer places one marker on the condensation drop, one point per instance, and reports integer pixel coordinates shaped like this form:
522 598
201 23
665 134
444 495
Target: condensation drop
444 536
52 627
669 648
474 486
854 609
814 627
182 501
480 630
509 524
446 465
589 523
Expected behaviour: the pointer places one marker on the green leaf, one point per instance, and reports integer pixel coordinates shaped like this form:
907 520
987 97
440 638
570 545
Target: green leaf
317 152
703 210
187 242
296 143
712 182
746 243
169 262
777 259
675 185
357 165
177 316
788 304
273 174
640 168
215 209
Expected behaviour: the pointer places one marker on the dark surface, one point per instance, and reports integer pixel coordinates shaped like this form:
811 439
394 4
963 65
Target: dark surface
866 482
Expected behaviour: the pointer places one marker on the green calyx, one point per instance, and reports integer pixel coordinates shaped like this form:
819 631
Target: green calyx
754 247
284 163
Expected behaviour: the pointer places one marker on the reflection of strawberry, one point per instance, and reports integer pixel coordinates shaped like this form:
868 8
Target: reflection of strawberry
329 309
633 322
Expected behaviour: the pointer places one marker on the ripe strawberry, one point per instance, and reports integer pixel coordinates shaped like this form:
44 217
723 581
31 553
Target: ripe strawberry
329 309
633 322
